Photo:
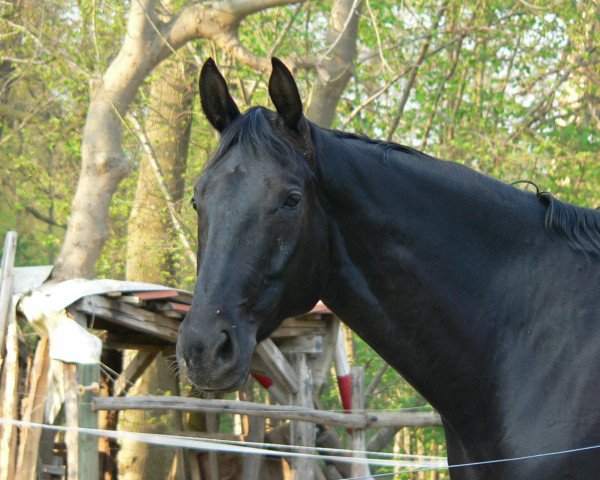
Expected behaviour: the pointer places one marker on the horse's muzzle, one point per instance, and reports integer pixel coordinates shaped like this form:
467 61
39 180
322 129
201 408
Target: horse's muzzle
215 359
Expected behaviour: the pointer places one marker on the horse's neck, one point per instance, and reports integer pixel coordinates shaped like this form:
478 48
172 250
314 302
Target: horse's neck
416 246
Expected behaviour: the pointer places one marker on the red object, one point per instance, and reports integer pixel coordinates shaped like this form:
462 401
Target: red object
345 387
265 381
157 294
181 307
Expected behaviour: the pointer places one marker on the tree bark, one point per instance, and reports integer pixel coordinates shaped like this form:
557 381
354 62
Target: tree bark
104 164
150 239
336 67
151 242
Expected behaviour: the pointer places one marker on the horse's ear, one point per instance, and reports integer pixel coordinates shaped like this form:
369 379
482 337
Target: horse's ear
218 106
284 94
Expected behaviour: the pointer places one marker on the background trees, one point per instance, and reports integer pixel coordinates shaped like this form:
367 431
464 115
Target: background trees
509 88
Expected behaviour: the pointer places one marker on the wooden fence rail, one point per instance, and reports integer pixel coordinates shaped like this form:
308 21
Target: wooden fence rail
280 412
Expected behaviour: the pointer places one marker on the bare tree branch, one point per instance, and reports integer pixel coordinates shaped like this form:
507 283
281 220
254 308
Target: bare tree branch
376 380
545 99
440 91
385 87
44 218
415 69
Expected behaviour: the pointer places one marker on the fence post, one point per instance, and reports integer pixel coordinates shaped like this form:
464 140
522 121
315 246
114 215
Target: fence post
303 433
6 281
71 436
9 365
359 443
88 376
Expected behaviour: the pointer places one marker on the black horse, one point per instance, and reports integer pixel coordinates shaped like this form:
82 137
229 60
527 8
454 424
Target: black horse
486 298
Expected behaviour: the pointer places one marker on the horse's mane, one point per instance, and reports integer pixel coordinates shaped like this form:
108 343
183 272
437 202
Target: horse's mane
387 146
579 226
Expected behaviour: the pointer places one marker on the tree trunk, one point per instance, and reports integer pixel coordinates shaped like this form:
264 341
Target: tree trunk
147 42
336 66
150 244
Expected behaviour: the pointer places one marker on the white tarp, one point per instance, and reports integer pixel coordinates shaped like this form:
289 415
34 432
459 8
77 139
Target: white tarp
45 307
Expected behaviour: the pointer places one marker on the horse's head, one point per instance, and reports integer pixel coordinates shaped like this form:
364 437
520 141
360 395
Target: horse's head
262 234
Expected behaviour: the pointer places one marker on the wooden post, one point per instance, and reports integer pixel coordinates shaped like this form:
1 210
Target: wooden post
71 437
212 426
34 412
359 469
88 377
6 281
282 372
303 433
9 364
9 380
251 463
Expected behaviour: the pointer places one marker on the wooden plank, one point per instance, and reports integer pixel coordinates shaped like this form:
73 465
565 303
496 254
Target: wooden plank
134 370
280 412
321 365
29 440
403 419
157 295
282 372
133 300
172 306
9 400
303 433
309 325
71 436
359 439
6 284
184 297
310 344
172 314
131 317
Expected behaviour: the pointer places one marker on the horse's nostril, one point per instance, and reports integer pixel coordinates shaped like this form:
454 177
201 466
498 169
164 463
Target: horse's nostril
224 349
187 361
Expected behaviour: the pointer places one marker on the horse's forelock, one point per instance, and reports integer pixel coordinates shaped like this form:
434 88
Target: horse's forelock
254 133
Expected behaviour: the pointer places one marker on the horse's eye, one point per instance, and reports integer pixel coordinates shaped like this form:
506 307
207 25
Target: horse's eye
292 200
194 204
